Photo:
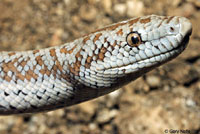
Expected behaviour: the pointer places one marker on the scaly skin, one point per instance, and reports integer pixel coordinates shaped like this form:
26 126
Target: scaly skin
88 67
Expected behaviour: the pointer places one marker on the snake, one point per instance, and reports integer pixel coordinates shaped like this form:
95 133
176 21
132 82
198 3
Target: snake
90 66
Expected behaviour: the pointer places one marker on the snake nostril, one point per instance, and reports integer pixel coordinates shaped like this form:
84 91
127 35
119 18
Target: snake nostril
171 29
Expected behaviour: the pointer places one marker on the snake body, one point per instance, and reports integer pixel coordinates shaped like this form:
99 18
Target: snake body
89 67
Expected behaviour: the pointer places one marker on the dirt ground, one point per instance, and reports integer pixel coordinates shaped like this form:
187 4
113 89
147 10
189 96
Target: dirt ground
166 100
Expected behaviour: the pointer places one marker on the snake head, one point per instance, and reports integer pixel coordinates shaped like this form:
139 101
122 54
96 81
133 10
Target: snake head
131 48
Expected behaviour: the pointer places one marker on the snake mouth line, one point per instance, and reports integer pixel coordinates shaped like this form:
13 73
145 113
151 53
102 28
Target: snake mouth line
171 53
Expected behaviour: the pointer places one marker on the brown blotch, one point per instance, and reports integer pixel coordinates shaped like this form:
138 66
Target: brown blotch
76 69
11 53
72 70
131 22
78 64
23 63
63 50
28 77
34 76
97 37
59 66
35 51
78 55
86 39
144 21
120 32
54 68
52 52
65 76
101 56
5 68
30 72
39 60
42 71
16 60
71 50
89 59
7 78
20 76
102 53
87 65
11 67
48 73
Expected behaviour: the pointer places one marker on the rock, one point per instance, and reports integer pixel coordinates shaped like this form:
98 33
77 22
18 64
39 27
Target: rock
190 102
107 5
115 94
56 38
153 81
195 2
175 3
120 9
88 107
137 86
182 73
186 10
134 8
88 13
92 126
105 115
36 24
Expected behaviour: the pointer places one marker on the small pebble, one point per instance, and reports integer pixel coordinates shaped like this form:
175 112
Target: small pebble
135 8
107 5
153 81
120 9
88 13
106 115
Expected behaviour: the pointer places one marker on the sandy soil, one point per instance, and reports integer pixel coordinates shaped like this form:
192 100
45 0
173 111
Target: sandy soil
166 99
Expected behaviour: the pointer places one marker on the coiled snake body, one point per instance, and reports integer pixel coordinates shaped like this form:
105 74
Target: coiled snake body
88 67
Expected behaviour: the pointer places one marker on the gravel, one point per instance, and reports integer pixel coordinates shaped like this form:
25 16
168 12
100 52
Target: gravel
167 98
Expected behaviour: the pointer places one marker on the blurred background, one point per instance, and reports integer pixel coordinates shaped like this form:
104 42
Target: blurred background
167 98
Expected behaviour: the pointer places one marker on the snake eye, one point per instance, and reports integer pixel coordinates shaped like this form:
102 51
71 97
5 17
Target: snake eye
133 39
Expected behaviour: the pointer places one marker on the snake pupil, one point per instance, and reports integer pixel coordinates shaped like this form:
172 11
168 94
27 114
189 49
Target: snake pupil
134 40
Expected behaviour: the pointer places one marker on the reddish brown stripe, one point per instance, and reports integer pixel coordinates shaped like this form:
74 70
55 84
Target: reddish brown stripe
169 19
131 22
144 21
